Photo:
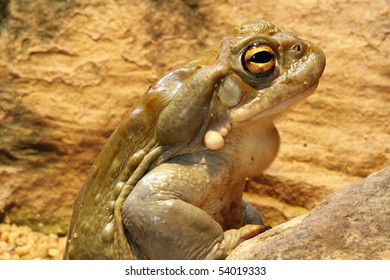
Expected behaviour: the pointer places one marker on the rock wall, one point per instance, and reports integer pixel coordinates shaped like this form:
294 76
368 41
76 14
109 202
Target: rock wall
71 69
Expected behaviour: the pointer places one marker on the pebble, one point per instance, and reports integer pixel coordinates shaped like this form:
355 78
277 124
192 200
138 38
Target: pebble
22 243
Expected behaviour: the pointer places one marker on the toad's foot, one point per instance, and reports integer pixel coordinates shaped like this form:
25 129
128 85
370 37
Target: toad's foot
233 238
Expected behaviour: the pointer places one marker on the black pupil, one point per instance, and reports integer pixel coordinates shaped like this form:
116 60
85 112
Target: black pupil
261 57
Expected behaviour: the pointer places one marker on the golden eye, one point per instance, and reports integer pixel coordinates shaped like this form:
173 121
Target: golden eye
258 59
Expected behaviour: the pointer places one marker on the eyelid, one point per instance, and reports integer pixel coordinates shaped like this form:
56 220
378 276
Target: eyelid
242 43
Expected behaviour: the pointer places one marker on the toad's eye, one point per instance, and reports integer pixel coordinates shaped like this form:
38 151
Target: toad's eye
258 58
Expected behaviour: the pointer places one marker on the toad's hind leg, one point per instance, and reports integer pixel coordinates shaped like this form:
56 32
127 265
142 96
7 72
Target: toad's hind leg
250 214
164 226
186 232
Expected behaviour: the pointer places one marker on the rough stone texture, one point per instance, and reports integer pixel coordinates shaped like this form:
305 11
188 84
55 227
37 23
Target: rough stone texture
352 223
70 70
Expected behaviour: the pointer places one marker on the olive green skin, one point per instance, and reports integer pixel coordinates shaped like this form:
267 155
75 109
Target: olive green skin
162 187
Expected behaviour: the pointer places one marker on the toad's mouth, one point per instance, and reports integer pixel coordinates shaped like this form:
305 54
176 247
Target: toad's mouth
254 111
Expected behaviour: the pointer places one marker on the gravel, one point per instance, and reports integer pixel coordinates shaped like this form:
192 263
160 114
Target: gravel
21 243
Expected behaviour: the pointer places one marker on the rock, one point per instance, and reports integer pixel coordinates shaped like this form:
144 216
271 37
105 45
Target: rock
352 223
70 70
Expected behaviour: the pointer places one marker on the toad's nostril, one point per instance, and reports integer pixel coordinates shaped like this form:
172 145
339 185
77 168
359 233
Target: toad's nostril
297 47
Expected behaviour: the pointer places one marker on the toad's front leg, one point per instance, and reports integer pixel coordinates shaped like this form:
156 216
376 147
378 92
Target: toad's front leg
163 223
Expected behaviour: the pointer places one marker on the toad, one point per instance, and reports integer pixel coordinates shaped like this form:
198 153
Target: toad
168 184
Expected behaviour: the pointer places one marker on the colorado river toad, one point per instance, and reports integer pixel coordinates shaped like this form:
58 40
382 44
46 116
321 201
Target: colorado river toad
169 182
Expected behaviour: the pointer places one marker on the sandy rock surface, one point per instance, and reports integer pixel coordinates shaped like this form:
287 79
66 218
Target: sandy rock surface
70 70
352 223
